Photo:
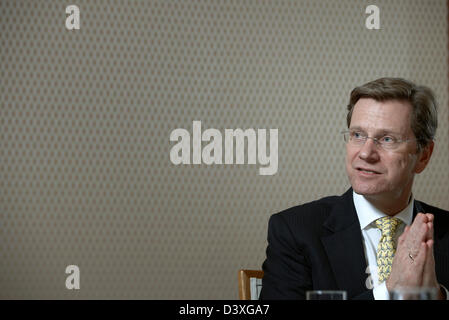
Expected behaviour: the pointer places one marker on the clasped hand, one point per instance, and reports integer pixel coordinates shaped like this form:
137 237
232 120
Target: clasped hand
414 263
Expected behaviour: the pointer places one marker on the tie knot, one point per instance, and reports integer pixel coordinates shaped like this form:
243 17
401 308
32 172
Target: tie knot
388 225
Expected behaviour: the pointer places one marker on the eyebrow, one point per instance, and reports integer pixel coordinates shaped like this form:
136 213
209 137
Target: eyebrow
379 132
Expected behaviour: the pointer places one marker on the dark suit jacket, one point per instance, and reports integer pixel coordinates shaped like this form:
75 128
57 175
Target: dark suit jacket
318 246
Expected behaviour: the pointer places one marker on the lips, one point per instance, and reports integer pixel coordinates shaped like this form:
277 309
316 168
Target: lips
367 170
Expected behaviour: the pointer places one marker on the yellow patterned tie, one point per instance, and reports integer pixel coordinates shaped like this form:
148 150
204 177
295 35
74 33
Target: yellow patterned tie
387 246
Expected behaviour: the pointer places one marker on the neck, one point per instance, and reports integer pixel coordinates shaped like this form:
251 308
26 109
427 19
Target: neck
388 205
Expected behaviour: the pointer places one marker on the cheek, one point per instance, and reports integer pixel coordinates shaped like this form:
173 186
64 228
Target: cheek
402 166
409 164
350 154
348 159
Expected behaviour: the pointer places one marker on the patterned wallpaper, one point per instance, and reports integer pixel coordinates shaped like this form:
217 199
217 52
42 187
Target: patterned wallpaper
86 116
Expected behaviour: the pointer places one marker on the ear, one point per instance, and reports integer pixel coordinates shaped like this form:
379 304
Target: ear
424 157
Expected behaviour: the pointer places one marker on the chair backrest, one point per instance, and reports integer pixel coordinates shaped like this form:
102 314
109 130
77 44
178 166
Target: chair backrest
250 284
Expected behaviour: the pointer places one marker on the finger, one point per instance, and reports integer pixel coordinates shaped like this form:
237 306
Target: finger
429 266
403 236
430 217
421 257
419 220
429 235
417 237
426 276
417 266
418 234
422 217
430 244
405 232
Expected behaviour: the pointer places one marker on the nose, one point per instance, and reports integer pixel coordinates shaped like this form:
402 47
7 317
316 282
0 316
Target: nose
368 151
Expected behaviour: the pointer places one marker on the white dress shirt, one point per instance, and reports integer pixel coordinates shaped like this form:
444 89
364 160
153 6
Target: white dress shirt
371 235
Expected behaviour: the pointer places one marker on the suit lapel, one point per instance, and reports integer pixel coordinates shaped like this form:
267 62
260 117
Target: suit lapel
344 246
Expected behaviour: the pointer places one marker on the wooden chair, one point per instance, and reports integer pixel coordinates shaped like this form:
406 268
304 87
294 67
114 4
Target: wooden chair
250 283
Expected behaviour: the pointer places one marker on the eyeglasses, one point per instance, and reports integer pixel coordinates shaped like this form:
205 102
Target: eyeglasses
387 142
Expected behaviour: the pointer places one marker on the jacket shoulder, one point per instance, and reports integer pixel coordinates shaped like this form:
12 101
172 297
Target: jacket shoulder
434 210
441 215
311 212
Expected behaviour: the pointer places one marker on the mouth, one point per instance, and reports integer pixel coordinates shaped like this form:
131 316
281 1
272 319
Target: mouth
367 171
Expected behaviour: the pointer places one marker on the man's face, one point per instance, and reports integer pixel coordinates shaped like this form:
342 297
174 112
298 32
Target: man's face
372 170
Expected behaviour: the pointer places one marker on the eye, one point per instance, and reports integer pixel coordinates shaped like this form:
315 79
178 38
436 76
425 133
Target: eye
388 140
357 135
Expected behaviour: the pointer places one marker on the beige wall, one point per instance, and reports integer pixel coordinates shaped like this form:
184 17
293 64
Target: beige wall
86 116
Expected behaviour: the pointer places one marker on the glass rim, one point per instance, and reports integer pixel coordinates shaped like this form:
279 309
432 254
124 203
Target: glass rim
326 291
326 295
414 289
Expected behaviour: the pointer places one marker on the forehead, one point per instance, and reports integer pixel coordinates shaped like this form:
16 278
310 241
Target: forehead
372 115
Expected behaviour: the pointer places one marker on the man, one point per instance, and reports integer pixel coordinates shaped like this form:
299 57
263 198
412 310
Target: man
376 237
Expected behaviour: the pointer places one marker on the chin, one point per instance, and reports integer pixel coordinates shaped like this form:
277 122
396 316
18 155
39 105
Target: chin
365 192
367 189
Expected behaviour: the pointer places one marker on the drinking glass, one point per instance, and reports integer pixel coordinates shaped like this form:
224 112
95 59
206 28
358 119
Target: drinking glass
326 295
414 293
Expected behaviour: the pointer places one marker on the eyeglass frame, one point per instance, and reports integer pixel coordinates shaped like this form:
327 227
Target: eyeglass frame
377 142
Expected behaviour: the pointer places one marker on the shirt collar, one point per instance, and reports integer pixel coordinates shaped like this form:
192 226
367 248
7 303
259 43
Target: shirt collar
367 213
